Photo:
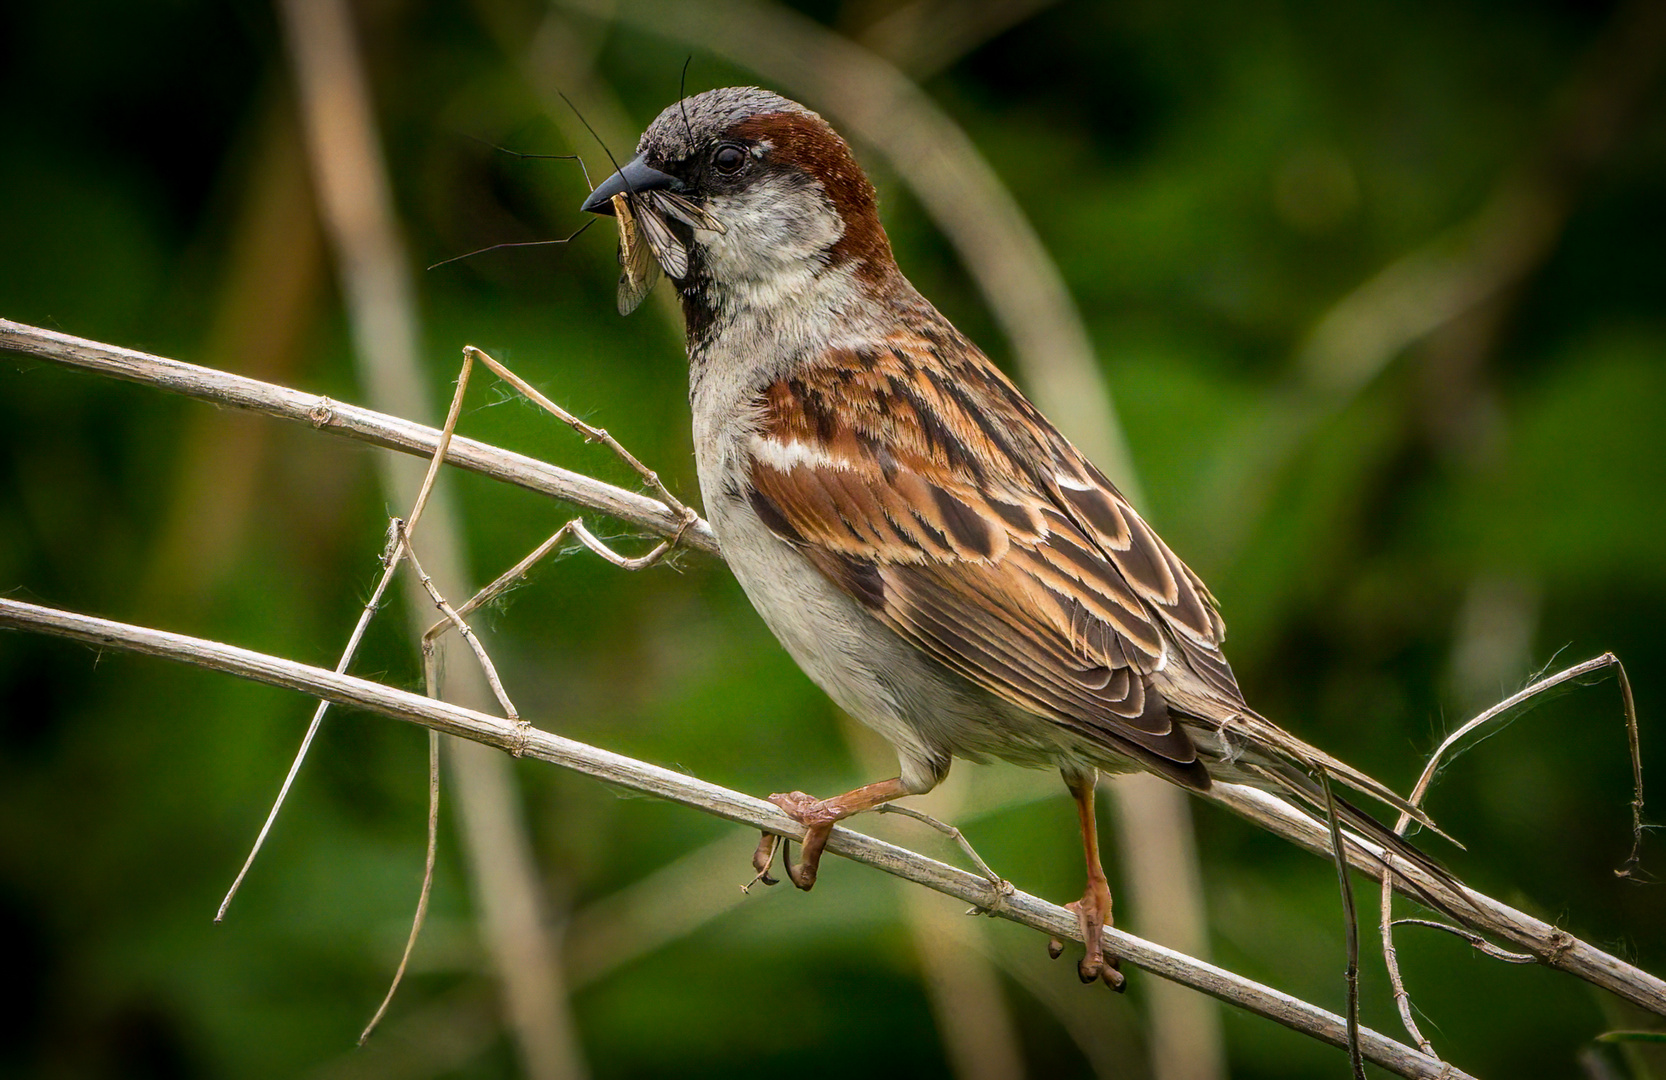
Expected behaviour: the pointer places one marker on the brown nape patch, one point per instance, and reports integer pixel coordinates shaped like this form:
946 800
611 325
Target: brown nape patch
811 144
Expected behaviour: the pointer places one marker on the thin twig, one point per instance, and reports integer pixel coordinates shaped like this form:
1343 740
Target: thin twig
1391 960
1476 940
390 561
447 431
1509 710
1505 712
427 883
1629 867
679 787
462 628
590 432
401 533
399 541
354 422
1356 1056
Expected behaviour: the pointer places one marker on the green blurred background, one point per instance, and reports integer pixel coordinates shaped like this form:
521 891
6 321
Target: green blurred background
1377 288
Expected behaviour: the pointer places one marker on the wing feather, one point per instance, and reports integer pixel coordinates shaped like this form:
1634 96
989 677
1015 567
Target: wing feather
921 498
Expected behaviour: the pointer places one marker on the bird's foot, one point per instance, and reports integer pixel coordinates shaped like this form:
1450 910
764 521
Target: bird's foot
818 817
1093 914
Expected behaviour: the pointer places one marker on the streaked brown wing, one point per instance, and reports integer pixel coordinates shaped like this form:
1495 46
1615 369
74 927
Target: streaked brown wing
955 513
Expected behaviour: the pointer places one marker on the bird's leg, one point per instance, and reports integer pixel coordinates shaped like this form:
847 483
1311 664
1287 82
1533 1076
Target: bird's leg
1093 910
818 817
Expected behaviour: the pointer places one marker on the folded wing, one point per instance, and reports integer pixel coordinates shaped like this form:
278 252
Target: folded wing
939 498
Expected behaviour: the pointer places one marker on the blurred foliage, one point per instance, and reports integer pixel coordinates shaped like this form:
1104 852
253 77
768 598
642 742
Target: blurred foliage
1212 177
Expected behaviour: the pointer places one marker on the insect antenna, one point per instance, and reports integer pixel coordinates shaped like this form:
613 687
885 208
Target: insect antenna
517 243
536 157
682 99
599 142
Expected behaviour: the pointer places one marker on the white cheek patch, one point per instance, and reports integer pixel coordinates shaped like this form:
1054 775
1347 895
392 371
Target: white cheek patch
776 227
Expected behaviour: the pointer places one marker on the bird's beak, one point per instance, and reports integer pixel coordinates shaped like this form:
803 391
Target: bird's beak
635 176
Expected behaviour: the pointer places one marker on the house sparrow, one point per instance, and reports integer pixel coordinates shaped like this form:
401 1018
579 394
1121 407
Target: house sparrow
932 552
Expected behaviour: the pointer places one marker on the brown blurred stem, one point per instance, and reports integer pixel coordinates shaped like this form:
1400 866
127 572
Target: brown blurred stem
1450 298
925 37
356 201
274 267
1552 946
501 734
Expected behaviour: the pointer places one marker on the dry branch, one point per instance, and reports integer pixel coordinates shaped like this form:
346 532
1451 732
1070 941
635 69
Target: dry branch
355 422
616 769
1549 944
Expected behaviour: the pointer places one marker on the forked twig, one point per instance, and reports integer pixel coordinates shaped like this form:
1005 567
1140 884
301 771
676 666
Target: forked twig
389 562
455 621
1505 712
576 527
396 548
400 548
590 432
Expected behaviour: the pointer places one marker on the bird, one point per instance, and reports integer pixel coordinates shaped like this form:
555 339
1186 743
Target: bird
926 545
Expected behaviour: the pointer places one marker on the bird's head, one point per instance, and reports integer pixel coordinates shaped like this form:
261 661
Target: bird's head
743 197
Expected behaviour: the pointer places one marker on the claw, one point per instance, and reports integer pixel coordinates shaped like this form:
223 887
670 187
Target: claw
1093 913
817 816
1055 948
761 860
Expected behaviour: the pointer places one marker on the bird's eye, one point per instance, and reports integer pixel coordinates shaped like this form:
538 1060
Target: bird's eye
728 159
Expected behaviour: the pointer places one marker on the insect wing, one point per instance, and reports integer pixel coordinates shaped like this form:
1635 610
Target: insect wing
672 256
638 269
688 213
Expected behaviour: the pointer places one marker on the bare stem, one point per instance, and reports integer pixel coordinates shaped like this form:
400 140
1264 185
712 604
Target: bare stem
1000 884
1356 1057
1476 941
1537 693
390 562
1391 960
421 915
734 806
467 634
355 422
